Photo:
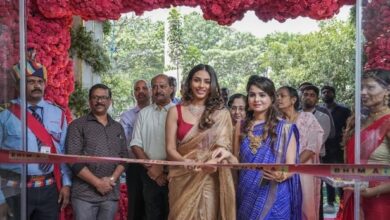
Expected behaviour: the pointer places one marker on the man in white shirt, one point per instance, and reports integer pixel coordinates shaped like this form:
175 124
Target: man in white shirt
148 142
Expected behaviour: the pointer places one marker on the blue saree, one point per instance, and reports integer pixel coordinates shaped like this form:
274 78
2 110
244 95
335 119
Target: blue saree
269 200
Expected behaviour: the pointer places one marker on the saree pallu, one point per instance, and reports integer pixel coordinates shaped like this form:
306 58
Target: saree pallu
198 195
374 208
261 199
371 137
310 139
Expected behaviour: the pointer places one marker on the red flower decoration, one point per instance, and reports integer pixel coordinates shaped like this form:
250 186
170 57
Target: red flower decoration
376 27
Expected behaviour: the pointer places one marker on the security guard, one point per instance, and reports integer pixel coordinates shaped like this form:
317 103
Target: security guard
45 195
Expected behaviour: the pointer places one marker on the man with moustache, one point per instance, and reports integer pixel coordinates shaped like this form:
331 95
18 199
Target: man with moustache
318 108
334 150
136 209
148 142
310 97
95 189
48 185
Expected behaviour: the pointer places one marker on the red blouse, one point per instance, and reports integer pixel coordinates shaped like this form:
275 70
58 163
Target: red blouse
182 127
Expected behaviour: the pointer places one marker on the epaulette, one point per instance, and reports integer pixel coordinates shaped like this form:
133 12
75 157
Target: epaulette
55 104
4 106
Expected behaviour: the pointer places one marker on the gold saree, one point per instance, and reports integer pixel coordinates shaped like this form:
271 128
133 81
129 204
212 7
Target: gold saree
198 195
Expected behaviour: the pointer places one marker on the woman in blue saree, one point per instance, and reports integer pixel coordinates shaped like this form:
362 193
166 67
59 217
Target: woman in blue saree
264 138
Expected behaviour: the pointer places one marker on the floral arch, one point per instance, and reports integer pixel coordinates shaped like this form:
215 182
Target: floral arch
49 23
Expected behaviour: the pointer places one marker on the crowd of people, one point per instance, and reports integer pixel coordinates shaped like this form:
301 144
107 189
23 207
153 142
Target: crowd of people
265 125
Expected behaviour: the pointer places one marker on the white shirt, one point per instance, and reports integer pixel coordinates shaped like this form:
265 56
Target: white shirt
149 131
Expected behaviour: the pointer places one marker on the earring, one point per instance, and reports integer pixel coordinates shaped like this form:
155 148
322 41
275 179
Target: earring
386 99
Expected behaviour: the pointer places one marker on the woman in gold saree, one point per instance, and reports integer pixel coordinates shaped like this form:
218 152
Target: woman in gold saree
196 130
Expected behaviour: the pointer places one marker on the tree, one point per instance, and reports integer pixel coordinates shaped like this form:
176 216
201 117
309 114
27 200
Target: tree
322 57
175 38
136 48
325 57
122 92
232 54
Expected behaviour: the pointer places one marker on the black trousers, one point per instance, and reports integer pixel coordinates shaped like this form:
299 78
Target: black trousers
42 203
155 197
334 157
135 206
330 190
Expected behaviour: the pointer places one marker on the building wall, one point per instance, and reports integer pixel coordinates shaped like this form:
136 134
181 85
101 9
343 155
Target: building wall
83 72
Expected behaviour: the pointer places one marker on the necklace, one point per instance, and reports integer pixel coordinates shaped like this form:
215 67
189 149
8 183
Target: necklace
254 141
378 114
196 111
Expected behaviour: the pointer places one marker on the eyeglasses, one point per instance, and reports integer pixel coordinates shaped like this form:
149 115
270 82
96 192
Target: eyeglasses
98 98
238 108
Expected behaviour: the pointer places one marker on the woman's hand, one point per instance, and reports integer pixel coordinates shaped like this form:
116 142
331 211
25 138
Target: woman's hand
366 192
208 169
277 176
369 192
221 154
189 167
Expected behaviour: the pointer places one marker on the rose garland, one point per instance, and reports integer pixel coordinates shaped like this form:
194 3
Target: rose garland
9 28
376 27
222 11
51 40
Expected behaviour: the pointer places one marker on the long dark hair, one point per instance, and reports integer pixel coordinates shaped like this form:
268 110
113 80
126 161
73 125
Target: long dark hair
214 100
271 119
292 93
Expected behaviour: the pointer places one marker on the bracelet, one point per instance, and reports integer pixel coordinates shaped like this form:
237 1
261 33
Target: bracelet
112 178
